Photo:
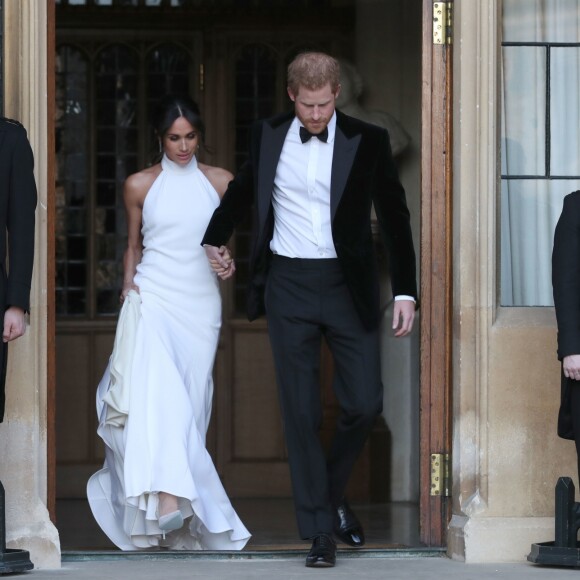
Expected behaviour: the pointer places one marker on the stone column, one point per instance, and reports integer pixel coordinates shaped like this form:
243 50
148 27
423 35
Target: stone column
506 386
23 447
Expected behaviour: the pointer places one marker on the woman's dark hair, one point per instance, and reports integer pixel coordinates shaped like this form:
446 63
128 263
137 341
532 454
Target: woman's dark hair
171 108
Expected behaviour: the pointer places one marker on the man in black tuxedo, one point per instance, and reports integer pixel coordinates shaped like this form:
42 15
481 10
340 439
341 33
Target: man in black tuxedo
311 177
17 207
566 286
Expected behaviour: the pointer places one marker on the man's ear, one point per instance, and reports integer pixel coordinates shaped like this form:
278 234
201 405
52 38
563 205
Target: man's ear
291 94
337 92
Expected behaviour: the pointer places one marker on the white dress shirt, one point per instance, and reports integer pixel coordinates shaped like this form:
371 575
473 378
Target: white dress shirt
301 196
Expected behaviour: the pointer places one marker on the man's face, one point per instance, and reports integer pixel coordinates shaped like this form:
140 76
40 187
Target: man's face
314 108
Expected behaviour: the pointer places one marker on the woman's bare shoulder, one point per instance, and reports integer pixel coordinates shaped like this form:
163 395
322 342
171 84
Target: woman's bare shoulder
217 176
138 184
144 178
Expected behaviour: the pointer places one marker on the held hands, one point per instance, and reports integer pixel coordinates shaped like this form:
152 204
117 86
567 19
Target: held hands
403 316
221 261
571 366
14 323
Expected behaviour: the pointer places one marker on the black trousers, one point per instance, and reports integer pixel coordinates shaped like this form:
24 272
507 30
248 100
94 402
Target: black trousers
307 300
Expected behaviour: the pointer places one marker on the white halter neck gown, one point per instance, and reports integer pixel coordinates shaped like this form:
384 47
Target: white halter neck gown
160 446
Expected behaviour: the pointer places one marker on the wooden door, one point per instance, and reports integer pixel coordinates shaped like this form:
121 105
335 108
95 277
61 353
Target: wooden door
436 275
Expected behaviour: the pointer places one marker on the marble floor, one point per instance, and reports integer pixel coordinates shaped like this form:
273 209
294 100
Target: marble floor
271 522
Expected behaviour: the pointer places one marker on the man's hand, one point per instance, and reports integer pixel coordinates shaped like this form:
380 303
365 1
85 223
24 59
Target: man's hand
403 316
221 261
14 324
571 366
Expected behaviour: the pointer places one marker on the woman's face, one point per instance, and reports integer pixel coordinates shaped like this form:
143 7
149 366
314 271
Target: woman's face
181 141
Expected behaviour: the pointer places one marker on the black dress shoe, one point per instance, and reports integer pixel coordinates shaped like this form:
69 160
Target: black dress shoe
347 528
323 552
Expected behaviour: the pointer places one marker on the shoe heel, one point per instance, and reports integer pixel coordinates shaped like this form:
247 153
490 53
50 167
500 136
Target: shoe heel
170 522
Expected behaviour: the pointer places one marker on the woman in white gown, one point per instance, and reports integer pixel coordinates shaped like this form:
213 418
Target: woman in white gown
158 486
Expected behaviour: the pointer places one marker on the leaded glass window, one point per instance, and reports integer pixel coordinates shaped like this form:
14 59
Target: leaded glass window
540 140
72 181
255 77
104 105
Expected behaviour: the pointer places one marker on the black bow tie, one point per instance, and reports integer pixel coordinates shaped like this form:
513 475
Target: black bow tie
305 135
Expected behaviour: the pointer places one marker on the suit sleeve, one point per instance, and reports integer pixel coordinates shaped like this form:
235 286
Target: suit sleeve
22 198
237 200
566 276
394 221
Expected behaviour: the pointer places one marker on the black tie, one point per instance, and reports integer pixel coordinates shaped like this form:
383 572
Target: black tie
305 135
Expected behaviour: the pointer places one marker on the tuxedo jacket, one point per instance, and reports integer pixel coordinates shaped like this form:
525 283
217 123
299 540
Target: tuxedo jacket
566 287
17 206
363 172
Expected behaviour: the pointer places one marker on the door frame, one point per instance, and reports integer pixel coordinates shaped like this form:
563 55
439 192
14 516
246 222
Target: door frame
436 274
435 265
51 262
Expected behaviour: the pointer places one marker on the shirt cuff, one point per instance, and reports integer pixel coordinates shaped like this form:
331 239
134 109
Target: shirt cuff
404 297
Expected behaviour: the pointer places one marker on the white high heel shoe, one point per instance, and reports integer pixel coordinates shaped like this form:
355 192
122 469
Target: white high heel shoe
169 522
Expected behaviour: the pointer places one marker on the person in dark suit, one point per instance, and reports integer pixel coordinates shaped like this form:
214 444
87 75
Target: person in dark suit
566 287
311 177
17 207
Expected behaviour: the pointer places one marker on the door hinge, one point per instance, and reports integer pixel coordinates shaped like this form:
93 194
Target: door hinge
442 22
440 474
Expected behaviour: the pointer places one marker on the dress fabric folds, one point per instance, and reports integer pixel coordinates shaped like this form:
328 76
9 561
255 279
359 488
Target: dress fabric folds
154 400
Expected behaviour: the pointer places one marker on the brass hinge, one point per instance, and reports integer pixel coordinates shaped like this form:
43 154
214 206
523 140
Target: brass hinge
442 22
440 474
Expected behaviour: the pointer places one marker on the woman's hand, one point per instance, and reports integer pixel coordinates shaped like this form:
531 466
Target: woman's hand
126 290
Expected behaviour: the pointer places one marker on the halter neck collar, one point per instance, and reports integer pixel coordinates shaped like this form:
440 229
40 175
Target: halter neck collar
168 165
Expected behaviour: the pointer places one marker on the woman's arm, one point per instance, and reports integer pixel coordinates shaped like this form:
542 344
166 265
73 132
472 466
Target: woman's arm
134 192
218 177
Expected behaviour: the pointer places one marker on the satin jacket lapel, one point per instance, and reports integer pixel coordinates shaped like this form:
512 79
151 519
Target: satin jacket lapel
343 157
270 150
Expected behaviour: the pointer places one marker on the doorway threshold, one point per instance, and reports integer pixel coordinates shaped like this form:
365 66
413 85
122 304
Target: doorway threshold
388 527
248 554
